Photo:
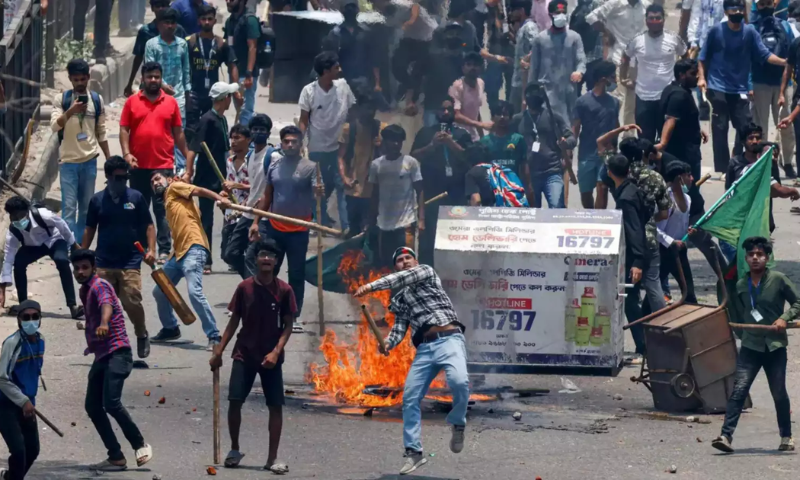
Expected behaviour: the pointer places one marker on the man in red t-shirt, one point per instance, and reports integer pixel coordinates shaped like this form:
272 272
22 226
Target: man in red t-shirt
266 307
150 128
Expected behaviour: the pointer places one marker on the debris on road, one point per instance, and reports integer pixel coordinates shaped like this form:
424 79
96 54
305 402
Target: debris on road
162 401
674 418
698 440
569 386
673 469
517 416
147 393
211 471
156 477
79 326
617 397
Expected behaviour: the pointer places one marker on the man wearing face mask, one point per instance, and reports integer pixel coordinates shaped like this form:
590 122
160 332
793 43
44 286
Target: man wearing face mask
207 53
726 60
352 42
558 61
21 361
596 112
655 53
120 216
440 152
34 233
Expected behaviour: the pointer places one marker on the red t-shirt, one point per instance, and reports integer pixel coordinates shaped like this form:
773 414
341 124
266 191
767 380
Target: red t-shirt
261 309
151 126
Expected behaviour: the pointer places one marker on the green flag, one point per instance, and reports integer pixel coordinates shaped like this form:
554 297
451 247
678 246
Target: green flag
743 211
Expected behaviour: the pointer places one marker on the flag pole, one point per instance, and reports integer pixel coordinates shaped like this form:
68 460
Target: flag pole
711 210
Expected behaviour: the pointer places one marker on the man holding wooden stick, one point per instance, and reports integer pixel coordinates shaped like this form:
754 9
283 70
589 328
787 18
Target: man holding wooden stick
213 130
292 185
266 307
21 360
422 304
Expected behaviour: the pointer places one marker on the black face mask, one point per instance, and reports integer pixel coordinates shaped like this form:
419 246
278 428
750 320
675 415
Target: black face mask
534 101
755 147
117 187
736 18
766 12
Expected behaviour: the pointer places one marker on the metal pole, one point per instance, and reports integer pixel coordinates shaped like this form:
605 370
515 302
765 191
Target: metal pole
50 47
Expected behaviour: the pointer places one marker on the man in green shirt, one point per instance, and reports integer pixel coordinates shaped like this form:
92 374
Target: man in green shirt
506 147
242 32
763 294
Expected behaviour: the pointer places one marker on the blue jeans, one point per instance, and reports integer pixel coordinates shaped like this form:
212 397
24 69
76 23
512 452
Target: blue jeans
493 77
450 354
180 160
552 186
77 188
293 246
249 106
191 267
329 165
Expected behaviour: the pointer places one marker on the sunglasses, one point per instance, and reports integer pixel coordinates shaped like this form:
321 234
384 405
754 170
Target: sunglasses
266 254
30 316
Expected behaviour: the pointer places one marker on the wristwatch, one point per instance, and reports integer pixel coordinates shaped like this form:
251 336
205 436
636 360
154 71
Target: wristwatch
248 73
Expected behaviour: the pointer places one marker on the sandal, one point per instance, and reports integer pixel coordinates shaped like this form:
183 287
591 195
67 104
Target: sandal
233 458
207 270
277 468
107 466
162 259
144 455
794 210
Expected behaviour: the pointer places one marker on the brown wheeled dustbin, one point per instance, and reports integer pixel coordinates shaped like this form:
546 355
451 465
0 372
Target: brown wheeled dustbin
691 355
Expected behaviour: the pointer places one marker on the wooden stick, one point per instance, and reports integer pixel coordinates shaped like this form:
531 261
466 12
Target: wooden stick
374 328
282 218
48 423
756 326
566 188
320 299
216 169
215 380
703 180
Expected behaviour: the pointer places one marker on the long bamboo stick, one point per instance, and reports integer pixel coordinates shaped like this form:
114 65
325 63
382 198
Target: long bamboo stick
282 218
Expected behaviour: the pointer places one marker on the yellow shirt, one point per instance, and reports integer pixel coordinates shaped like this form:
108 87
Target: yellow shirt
184 219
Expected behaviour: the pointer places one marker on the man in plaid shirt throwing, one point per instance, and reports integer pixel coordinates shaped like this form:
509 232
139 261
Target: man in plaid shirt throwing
438 336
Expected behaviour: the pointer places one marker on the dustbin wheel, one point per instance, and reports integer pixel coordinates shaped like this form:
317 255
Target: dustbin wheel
683 385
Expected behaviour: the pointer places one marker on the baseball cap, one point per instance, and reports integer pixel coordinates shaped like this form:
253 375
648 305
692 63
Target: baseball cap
32 304
221 89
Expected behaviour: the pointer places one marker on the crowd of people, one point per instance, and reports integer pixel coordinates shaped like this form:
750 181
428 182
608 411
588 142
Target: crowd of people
605 79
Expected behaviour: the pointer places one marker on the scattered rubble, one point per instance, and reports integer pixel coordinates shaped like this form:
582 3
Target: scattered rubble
672 469
517 416
162 401
211 471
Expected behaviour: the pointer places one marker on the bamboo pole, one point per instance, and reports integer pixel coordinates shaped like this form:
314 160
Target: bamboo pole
49 423
320 299
283 218
215 381
216 169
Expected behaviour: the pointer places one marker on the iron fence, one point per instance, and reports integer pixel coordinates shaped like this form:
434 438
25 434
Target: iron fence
21 66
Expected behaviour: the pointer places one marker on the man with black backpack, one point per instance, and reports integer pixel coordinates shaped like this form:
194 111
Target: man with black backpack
35 232
769 95
244 34
80 122
207 53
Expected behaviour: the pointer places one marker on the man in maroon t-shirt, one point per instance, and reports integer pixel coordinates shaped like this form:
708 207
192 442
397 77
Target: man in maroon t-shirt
266 307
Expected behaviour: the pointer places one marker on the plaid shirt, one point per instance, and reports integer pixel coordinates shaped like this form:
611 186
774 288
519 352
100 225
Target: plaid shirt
421 303
94 294
174 60
237 176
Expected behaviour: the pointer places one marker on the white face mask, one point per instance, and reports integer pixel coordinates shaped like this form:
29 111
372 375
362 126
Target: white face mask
30 327
560 20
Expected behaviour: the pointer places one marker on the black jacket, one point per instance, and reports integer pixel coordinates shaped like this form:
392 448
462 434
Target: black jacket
635 215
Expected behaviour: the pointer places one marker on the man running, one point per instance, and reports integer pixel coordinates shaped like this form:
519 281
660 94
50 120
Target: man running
438 336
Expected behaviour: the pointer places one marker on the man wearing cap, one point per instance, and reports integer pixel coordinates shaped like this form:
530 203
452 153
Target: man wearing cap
213 130
422 303
21 360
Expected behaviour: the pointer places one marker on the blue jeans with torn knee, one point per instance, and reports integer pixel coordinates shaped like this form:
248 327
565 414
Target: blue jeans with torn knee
189 266
448 354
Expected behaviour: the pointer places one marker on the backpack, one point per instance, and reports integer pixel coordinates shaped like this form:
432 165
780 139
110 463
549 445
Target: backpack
351 140
507 188
37 217
66 102
268 157
773 35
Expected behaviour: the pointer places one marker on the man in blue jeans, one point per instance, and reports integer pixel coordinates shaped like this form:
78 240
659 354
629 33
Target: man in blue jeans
189 254
291 190
79 119
422 304
243 30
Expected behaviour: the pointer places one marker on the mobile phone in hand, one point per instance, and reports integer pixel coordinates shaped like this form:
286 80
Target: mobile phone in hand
83 99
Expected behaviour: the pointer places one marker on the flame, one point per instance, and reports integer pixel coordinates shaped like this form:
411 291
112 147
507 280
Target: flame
350 367
475 397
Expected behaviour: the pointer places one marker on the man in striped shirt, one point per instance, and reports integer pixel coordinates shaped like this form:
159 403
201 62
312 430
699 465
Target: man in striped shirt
107 339
422 303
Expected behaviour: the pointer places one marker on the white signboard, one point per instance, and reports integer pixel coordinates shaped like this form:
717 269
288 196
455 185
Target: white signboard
536 287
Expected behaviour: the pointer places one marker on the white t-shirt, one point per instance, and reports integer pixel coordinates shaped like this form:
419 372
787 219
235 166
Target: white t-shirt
655 59
327 113
677 223
257 179
397 201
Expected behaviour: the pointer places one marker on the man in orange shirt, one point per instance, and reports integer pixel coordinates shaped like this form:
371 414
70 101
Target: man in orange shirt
189 255
292 184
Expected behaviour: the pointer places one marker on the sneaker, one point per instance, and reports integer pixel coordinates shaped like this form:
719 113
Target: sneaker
3 472
143 346
668 298
167 334
723 444
212 344
414 460
76 312
787 444
789 171
457 438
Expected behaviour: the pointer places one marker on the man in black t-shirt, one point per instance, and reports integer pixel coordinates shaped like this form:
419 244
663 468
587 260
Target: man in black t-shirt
477 188
207 53
440 151
213 130
146 32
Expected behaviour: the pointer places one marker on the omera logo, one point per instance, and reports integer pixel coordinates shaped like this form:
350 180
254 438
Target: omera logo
587 262
458 212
